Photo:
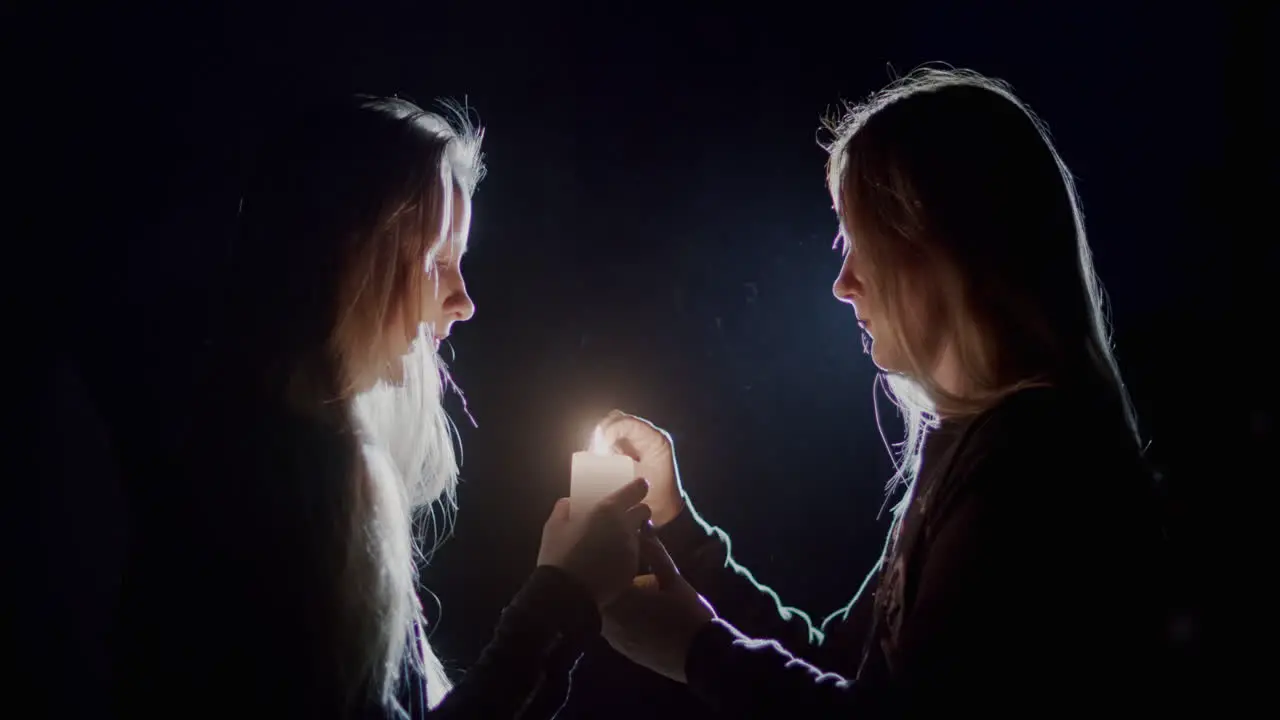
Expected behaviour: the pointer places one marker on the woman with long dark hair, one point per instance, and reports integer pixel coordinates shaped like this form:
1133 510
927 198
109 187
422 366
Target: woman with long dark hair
1020 571
273 571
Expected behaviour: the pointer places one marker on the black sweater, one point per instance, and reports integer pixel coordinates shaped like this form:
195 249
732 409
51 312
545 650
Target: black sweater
1024 578
524 671
226 610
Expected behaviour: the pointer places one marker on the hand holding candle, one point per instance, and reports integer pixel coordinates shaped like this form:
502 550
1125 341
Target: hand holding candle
597 472
654 622
598 545
594 535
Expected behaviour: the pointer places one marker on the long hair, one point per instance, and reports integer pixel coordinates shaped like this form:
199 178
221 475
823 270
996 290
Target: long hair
953 194
347 210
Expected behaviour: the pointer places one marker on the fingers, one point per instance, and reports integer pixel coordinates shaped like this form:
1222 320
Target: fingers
653 552
644 583
624 446
636 518
619 424
618 416
633 600
628 495
560 512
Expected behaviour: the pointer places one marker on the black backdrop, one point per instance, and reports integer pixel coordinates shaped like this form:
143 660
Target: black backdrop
654 234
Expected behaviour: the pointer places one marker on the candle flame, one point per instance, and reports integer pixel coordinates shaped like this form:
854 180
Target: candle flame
599 445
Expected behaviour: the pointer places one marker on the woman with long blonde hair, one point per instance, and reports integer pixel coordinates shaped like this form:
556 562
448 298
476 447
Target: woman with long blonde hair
1020 571
273 570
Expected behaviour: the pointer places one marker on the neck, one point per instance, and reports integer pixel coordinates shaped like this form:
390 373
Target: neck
948 377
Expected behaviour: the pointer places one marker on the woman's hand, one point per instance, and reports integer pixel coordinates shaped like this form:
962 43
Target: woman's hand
650 446
654 622
599 547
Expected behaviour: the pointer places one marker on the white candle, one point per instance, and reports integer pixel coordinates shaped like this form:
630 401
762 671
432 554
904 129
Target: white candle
597 473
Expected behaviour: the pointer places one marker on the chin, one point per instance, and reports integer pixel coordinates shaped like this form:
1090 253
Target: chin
884 360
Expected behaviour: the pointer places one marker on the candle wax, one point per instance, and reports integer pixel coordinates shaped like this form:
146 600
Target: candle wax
595 475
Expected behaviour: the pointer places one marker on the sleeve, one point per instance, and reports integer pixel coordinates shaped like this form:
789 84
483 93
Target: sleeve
704 555
749 678
524 671
977 625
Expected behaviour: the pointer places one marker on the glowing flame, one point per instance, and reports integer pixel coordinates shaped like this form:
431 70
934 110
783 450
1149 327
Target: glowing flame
599 445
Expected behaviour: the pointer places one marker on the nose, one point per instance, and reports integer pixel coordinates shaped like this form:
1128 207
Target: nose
459 307
847 288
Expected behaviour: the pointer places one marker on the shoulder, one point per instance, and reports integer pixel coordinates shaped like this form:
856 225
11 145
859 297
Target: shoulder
1063 422
256 430
1035 414
1046 444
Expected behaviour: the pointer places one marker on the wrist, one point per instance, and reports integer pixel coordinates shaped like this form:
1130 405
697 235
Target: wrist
705 663
684 534
669 512
575 576
559 601
688 642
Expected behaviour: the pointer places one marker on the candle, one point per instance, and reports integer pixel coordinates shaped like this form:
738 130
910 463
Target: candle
598 472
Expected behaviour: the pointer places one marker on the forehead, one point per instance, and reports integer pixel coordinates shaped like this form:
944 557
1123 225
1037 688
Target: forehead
460 213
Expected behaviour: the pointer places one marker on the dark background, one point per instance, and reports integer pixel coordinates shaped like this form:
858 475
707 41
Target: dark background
654 234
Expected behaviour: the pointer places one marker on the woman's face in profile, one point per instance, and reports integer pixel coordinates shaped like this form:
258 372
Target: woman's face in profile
915 318
444 299
854 288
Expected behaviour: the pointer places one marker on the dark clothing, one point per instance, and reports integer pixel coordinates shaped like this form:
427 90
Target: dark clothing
228 603
1024 577
524 671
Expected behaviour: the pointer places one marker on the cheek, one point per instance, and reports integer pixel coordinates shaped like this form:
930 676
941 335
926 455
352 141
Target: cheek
413 311
432 292
925 325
